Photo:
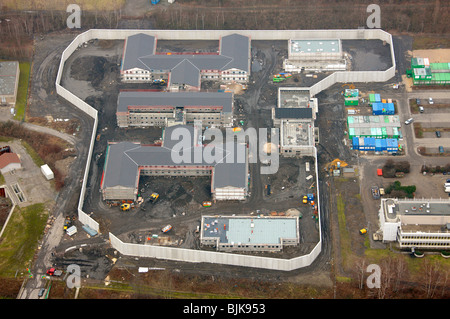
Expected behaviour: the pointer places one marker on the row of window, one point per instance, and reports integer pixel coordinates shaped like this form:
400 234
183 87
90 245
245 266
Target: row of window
435 237
251 246
178 172
137 78
137 72
423 244
233 79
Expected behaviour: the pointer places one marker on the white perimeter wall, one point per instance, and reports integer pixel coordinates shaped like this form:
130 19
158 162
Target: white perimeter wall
195 256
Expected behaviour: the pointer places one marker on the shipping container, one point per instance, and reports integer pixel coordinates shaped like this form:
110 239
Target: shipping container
48 173
383 108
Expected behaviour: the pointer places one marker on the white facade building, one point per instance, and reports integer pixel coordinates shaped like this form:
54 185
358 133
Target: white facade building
416 223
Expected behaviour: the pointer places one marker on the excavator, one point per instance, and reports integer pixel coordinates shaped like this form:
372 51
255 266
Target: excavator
335 164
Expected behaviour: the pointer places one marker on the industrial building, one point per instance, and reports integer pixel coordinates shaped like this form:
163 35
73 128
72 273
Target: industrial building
184 71
147 108
248 233
295 117
314 55
297 97
9 82
425 73
126 161
416 223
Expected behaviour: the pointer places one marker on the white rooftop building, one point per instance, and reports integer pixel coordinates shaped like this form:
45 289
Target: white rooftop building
314 55
416 223
248 233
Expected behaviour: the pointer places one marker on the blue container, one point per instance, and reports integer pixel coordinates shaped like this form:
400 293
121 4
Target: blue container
392 144
355 143
379 108
369 143
378 145
383 144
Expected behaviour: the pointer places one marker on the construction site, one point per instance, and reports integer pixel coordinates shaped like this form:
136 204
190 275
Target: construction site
174 219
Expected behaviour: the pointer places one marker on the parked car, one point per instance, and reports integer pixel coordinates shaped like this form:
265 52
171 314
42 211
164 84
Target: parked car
41 292
418 101
421 109
375 192
409 121
441 149
438 133
430 100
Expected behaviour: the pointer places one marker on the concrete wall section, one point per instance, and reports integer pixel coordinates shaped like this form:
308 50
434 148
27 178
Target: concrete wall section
199 256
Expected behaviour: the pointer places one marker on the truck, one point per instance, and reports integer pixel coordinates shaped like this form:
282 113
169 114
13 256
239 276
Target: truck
67 223
54 272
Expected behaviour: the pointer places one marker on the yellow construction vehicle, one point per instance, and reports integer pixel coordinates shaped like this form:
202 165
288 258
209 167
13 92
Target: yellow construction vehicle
335 164
125 207
154 197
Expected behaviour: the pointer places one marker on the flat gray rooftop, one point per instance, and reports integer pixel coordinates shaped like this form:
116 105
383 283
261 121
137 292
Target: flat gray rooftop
175 99
294 98
8 74
424 208
296 133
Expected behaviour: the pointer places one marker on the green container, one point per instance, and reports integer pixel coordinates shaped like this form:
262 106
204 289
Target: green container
348 102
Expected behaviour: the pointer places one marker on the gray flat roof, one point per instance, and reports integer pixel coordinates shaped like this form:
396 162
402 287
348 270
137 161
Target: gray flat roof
8 75
249 230
293 113
175 99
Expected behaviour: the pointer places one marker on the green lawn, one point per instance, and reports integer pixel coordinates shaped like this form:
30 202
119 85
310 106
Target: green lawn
20 239
22 91
345 243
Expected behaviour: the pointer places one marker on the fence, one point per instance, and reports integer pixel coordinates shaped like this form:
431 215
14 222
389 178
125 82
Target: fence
197 255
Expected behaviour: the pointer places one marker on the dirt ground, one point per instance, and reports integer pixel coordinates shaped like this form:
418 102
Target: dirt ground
5 208
435 55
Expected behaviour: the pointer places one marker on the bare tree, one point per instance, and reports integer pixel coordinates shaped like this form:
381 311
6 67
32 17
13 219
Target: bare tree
360 270
432 278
